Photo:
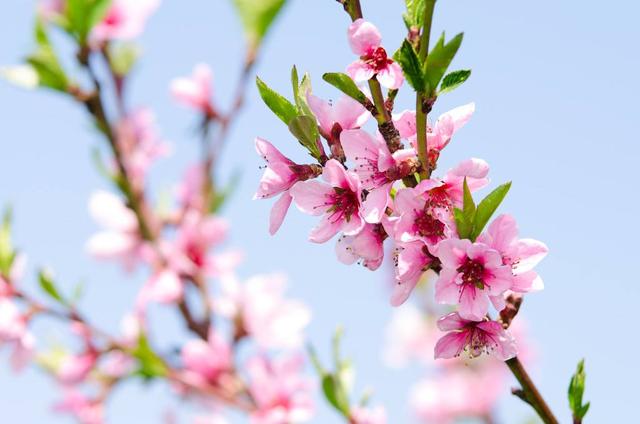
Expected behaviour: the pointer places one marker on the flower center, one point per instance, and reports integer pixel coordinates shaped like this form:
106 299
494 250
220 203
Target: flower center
344 203
378 59
472 273
428 226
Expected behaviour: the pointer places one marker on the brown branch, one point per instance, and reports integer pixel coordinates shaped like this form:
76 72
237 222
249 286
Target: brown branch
529 392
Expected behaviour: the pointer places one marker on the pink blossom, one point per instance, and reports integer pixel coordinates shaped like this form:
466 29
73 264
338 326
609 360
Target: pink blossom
74 369
522 255
280 174
14 333
164 286
116 364
367 246
421 220
447 192
458 393
411 260
471 275
207 360
365 41
377 168
85 410
473 337
125 20
272 321
50 9
439 135
140 144
347 113
197 234
281 392
338 201
410 335
120 239
16 271
362 415
196 90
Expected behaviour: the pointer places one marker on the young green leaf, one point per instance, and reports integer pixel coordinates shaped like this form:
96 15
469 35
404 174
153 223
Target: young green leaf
576 392
45 62
453 80
439 59
468 205
221 196
487 207
345 84
83 15
408 60
463 226
277 103
150 365
7 254
335 394
300 92
48 286
414 16
305 129
123 57
257 17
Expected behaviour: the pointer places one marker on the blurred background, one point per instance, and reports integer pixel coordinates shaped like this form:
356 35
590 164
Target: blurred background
556 96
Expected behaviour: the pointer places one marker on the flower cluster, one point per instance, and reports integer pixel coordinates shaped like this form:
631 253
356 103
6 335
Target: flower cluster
371 189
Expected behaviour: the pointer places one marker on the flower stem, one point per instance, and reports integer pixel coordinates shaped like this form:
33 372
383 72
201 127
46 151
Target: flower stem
530 392
423 104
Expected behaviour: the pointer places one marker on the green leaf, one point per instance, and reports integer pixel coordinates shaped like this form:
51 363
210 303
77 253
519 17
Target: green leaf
315 360
150 365
7 254
439 59
335 394
453 80
123 57
48 286
45 62
487 207
408 60
221 196
414 16
300 90
305 129
277 103
83 15
576 393
257 17
345 84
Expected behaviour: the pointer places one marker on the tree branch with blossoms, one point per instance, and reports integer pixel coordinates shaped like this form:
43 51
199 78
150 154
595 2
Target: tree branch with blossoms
374 189
175 245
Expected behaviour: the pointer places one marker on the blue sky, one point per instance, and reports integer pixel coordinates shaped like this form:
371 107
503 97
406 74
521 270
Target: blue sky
556 95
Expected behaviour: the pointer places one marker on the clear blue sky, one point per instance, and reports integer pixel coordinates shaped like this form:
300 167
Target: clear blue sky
556 93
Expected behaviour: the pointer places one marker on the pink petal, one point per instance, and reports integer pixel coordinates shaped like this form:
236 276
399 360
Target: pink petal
530 253
474 304
447 291
325 230
405 123
279 211
323 111
375 205
311 197
391 77
450 345
335 174
359 71
349 113
363 37
451 322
